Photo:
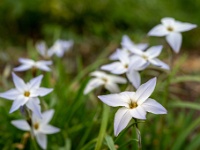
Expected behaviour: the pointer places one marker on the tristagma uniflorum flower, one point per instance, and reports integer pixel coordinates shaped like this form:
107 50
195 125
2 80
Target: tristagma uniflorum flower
134 105
26 94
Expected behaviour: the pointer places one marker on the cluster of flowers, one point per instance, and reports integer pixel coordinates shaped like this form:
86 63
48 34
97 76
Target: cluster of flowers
25 95
131 59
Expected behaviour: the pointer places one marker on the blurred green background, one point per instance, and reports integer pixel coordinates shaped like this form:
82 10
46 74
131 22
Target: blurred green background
92 22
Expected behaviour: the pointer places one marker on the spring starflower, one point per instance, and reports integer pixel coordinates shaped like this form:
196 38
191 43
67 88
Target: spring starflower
39 127
60 47
128 65
27 64
26 94
128 44
43 50
103 79
172 29
149 56
133 105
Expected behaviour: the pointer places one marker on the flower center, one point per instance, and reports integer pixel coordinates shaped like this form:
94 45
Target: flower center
133 105
170 29
126 66
36 126
145 57
26 93
105 80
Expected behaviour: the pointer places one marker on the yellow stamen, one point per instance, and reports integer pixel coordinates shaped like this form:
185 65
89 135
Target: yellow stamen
27 93
133 105
170 29
36 126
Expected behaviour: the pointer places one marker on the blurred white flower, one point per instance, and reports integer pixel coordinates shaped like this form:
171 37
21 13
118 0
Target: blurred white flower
60 47
39 127
134 105
106 80
127 44
149 56
27 64
128 65
171 29
42 49
26 94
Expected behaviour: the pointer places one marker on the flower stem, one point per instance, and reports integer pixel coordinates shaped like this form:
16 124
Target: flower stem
138 135
103 127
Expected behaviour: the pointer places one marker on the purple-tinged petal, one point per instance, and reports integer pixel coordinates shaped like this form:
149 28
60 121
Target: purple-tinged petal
112 87
154 51
22 67
20 101
159 30
21 124
122 118
145 90
138 112
35 82
174 40
19 83
11 94
113 100
41 140
92 84
47 116
35 107
134 78
152 106
48 129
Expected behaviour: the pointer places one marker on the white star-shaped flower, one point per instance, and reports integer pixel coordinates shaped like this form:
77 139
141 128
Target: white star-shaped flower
60 47
42 49
172 30
26 94
150 56
128 65
106 80
134 105
27 64
127 44
40 127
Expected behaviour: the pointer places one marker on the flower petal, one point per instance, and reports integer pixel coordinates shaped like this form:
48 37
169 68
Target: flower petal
48 129
154 51
117 79
159 63
19 83
168 21
115 67
47 116
20 101
138 112
21 124
43 91
182 26
22 67
174 40
35 107
113 100
41 140
11 94
27 61
153 106
134 78
122 118
92 84
112 87
145 90
159 30
35 82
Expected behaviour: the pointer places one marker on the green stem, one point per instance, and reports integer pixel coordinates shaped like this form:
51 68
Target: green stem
103 127
138 135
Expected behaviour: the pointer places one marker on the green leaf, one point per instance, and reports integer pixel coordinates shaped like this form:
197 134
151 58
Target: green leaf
186 78
110 142
184 134
190 105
